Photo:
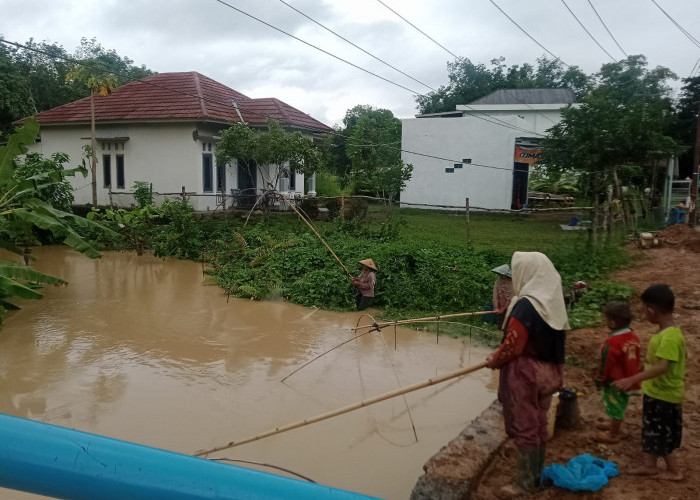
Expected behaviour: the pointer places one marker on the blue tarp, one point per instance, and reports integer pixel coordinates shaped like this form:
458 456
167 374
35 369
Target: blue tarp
582 473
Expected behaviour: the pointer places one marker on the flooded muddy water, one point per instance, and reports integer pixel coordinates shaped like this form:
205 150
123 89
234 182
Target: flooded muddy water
141 349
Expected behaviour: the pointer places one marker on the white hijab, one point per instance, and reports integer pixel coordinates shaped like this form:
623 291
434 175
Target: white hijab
536 279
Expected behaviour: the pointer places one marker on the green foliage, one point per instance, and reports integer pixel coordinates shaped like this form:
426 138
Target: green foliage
327 184
22 211
557 182
625 119
587 311
32 79
142 193
178 234
367 152
285 150
36 168
469 81
135 226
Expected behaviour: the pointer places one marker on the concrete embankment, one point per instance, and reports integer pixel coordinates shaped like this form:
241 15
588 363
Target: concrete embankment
454 472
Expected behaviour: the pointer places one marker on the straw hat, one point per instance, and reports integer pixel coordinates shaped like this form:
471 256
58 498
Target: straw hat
503 270
369 263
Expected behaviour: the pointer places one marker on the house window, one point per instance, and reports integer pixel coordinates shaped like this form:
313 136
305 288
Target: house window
292 180
120 172
107 169
449 170
207 173
221 177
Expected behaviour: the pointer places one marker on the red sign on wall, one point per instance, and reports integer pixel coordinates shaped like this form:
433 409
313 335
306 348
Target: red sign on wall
527 155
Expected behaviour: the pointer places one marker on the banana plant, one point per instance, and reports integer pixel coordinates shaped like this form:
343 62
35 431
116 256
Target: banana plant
19 205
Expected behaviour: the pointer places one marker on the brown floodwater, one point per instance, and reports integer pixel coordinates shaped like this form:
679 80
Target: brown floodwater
145 350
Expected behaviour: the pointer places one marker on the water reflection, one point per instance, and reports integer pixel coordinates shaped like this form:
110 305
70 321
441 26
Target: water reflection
142 349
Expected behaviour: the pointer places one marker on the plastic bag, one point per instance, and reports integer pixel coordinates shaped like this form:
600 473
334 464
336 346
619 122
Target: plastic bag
582 473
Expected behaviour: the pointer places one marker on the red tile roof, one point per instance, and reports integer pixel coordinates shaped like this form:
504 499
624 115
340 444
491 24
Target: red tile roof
179 96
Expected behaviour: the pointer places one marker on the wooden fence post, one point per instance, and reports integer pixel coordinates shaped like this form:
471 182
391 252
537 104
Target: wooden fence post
467 213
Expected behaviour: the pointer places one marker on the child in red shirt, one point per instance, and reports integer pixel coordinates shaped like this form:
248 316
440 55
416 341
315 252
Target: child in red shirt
620 358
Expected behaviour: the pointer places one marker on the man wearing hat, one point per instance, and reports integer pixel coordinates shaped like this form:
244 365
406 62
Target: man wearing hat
364 284
502 291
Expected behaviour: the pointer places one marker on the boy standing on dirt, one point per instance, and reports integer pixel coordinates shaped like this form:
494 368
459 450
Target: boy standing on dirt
662 386
619 360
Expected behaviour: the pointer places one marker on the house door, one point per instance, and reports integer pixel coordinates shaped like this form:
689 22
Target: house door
247 183
520 175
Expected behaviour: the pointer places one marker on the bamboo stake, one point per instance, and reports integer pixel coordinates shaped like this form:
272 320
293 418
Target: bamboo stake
346 409
291 205
423 320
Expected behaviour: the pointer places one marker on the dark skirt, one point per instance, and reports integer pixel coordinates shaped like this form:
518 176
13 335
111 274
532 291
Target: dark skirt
363 302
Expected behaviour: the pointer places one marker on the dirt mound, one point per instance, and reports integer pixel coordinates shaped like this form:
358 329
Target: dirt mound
681 236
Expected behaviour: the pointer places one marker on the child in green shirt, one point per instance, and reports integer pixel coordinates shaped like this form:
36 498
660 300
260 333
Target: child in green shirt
662 386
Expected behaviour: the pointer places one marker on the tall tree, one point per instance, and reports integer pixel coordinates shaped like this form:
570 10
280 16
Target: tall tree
366 152
625 120
33 77
687 122
98 79
286 152
469 81
374 149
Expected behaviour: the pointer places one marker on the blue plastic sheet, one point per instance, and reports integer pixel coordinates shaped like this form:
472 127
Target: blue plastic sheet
582 473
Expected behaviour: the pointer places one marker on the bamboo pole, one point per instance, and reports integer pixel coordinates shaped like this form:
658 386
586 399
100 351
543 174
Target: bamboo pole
346 409
422 320
291 205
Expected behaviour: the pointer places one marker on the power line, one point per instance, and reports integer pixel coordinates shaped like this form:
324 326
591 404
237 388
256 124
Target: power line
316 47
681 28
529 35
490 119
214 101
356 46
420 31
606 28
586 30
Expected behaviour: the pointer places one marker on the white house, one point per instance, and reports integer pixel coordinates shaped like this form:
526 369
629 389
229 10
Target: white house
482 150
163 130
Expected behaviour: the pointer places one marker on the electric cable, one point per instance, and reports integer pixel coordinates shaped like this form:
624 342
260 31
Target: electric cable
606 28
681 28
421 31
310 129
486 116
529 35
586 30
356 46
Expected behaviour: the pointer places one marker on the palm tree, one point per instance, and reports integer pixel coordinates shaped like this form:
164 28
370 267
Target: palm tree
99 83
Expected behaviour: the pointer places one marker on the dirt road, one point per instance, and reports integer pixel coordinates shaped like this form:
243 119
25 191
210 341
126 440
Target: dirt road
676 264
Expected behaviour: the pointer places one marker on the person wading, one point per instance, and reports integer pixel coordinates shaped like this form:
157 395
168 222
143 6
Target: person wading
502 292
531 359
364 284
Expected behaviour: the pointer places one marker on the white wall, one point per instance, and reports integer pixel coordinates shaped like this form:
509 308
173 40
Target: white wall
165 155
457 139
485 142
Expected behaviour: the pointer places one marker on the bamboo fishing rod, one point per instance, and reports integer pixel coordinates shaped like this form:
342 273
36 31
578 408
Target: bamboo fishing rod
346 409
422 320
291 205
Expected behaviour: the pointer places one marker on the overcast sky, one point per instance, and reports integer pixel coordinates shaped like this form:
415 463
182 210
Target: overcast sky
215 40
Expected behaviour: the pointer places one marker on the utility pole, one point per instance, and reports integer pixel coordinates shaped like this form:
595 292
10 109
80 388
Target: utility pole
692 216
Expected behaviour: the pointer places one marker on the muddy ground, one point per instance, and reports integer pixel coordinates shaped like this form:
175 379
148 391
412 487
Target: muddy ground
675 263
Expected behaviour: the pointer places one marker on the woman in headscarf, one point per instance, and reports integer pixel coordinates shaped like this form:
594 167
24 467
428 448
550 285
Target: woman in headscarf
531 359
